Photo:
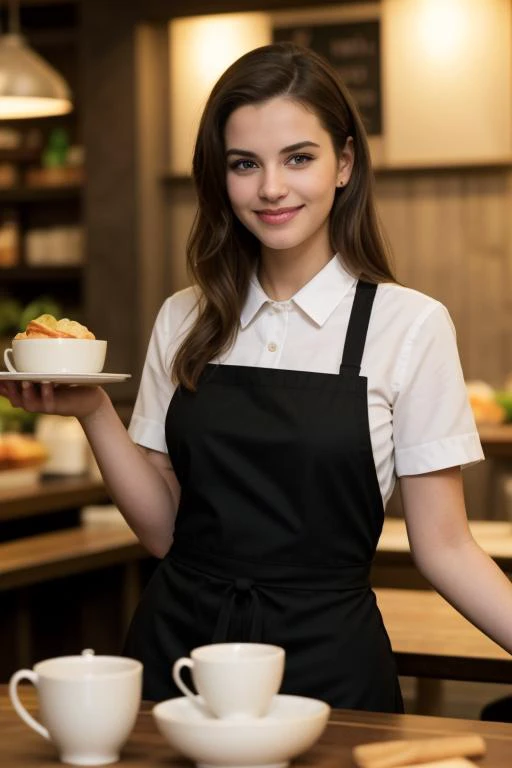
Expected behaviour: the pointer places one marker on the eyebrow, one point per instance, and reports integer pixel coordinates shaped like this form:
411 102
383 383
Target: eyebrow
285 150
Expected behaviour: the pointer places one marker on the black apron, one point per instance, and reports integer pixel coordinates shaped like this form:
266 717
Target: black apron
278 523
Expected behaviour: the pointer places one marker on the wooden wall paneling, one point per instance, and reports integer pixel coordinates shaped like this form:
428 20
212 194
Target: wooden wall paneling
181 201
393 214
495 214
428 247
451 256
108 59
152 149
451 239
486 256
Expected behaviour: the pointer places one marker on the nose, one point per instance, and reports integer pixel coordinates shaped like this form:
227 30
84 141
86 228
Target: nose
273 186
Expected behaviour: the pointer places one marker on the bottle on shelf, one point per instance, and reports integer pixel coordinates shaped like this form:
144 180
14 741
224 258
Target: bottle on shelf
9 238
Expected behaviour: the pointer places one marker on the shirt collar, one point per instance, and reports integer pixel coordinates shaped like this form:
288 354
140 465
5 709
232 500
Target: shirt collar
317 299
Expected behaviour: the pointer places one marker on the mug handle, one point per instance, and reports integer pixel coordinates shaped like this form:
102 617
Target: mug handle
9 364
193 697
25 674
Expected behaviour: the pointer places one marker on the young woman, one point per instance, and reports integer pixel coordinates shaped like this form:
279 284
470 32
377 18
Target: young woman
282 395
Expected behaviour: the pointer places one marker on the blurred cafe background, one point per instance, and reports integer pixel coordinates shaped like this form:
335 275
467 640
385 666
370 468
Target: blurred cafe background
96 203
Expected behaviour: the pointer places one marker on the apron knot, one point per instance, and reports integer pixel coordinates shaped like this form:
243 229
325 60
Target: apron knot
243 584
251 630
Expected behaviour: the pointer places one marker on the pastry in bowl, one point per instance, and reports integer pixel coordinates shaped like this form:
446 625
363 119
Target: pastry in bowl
48 327
51 346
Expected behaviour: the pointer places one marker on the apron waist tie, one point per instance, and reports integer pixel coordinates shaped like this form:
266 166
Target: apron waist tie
239 588
243 579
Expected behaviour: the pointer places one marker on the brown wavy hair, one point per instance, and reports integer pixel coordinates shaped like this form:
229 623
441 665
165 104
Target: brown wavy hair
221 253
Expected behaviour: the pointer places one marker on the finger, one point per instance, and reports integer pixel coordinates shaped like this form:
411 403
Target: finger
31 400
48 397
12 391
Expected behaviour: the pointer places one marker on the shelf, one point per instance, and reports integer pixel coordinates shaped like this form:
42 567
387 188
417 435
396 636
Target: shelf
40 274
19 155
37 194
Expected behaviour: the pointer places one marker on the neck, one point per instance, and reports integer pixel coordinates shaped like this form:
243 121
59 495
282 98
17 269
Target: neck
282 274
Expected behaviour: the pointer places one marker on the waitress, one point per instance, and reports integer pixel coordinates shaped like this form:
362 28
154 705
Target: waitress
282 395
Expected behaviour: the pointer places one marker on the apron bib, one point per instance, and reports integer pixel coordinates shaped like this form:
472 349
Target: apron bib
278 523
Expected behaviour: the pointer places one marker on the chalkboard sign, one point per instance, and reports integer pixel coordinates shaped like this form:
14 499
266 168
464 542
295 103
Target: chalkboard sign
354 51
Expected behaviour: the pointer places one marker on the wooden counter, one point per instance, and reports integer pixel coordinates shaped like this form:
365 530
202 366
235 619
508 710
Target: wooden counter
394 567
431 639
20 747
496 441
51 495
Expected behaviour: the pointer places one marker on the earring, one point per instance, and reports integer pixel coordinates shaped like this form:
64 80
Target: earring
339 184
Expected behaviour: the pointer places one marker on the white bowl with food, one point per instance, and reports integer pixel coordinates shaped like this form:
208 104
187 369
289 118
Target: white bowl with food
51 346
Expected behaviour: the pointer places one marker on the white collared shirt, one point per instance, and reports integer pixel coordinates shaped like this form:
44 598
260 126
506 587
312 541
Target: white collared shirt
419 415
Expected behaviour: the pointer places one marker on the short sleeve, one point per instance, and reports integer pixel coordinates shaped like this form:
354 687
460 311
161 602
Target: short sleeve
147 425
433 424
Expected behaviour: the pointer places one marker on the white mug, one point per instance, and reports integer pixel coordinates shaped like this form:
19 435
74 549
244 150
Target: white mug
88 703
235 680
54 356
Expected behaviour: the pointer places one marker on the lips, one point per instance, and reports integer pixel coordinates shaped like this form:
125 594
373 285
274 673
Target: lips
279 215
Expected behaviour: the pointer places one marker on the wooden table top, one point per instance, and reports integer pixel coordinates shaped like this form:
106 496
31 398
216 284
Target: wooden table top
494 536
63 553
51 495
496 440
20 747
432 639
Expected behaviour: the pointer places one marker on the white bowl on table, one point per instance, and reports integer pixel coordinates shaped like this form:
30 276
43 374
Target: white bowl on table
291 727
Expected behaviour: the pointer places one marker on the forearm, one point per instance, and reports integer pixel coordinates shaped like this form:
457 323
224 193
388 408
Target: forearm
472 582
138 489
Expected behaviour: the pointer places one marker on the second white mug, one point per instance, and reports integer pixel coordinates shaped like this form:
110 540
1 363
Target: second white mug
88 704
235 680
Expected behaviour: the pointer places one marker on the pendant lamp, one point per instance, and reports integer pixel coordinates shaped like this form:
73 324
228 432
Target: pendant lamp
29 86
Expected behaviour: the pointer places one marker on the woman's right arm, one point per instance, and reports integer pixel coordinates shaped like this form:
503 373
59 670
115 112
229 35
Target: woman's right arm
140 481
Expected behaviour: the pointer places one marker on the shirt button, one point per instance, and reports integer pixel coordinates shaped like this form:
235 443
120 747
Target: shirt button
272 346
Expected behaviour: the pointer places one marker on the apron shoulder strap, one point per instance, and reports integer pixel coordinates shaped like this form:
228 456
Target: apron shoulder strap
358 328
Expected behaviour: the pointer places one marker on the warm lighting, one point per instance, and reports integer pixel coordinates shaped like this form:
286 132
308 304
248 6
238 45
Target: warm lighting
447 88
201 48
442 29
29 86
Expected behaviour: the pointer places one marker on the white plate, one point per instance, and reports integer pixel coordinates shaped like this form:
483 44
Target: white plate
66 378
292 725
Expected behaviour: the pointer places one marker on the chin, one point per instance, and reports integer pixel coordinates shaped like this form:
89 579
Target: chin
281 242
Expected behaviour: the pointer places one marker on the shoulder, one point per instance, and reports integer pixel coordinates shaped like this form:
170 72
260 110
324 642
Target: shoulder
178 312
400 301
405 312
407 328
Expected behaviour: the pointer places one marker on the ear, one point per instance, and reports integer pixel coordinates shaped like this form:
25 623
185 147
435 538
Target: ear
345 163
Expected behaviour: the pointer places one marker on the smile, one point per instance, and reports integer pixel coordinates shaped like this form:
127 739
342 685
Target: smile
278 216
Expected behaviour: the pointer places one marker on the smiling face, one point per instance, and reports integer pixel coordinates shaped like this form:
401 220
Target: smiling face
282 173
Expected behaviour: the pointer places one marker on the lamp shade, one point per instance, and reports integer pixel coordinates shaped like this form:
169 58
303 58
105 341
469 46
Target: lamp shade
29 86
